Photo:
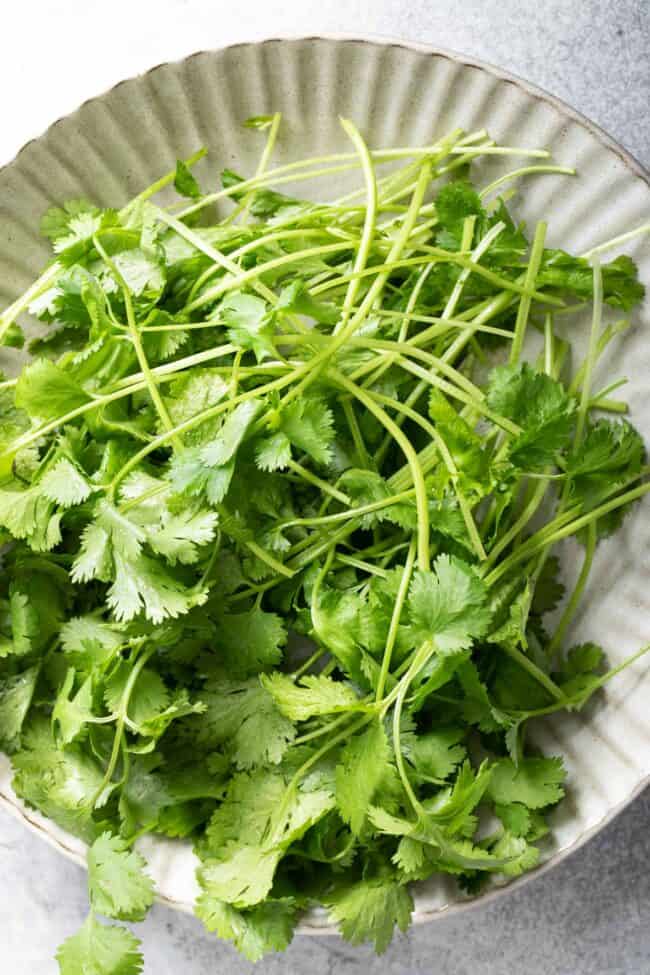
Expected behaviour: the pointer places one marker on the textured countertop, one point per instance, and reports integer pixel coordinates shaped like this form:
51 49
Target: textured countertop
589 916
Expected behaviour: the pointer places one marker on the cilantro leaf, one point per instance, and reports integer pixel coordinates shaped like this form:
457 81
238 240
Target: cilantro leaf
273 453
255 932
610 455
192 393
448 606
185 182
16 693
434 755
534 782
244 718
250 327
65 484
454 203
336 619
368 487
99 949
119 887
309 425
265 202
515 817
520 855
59 782
249 833
71 715
313 695
363 763
621 287
30 514
296 298
369 910
537 403
46 392
224 447
463 443
252 641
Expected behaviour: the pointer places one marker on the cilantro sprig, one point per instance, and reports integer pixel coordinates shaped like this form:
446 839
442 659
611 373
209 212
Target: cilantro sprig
280 494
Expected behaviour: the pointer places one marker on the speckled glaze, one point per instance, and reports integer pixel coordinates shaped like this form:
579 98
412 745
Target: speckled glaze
118 143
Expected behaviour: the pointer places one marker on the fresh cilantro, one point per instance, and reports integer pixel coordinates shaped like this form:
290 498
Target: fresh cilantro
538 404
278 526
262 929
185 182
46 391
250 327
534 782
119 887
448 605
99 949
246 721
312 695
369 910
363 765
16 693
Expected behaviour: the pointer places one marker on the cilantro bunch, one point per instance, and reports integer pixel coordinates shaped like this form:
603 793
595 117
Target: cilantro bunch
279 501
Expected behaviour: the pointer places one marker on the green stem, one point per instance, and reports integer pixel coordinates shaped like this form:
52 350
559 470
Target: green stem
524 171
449 463
534 671
574 600
521 522
357 439
534 262
149 378
368 223
396 616
359 512
318 482
410 455
552 534
592 352
121 719
446 257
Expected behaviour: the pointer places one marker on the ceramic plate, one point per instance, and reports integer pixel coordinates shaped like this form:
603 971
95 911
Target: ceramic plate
398 94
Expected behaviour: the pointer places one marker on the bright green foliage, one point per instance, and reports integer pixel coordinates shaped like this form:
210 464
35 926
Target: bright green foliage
118 885
363 764
267 927
246 720
185 182
370 909
16 693
99 949
448 605
312 695
295 424
534 782
250 328
539 405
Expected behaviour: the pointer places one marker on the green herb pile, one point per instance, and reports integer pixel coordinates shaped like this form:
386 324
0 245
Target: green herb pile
279 501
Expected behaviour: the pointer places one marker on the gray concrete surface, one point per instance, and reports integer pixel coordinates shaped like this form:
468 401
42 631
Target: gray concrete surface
589 916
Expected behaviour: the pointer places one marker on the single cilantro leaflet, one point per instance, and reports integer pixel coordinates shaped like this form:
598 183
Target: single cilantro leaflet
119 886
100 949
